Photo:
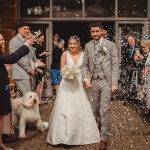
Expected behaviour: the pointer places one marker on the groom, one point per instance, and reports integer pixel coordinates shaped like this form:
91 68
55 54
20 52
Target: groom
100 77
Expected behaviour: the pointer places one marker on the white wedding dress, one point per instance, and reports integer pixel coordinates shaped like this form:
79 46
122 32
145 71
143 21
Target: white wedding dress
72 121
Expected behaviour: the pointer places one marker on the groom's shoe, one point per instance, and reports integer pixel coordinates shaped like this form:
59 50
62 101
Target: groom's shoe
103 145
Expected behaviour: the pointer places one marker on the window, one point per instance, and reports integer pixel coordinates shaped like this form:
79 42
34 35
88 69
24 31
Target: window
34 8
67 8
99 8
132 8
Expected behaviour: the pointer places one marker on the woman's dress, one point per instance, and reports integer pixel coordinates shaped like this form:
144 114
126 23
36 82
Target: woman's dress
72 121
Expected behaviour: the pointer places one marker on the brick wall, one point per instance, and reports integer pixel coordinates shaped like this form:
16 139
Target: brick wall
8 16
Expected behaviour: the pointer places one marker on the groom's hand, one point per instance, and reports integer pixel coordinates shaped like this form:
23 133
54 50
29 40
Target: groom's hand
87 84
114 88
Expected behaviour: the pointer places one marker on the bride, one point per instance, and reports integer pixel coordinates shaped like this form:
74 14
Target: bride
72 121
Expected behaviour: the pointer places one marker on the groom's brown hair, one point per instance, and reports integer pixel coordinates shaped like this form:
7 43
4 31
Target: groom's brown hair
94 24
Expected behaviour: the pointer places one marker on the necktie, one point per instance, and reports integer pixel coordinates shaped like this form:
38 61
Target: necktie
131 52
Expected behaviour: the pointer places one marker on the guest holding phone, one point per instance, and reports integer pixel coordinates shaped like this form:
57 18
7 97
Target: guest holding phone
5 103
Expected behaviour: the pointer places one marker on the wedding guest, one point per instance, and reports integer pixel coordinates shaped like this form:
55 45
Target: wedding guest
55 66
56 40
41 53
129 65
5 103
23 72
146 48
72 121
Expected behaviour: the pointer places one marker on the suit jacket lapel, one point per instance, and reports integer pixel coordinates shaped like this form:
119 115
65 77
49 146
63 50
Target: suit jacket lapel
20 39
92 49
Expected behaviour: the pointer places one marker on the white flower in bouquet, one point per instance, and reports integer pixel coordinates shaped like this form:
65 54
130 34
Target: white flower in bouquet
71 77
70 72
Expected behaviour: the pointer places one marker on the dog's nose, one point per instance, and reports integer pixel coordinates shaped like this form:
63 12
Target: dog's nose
34 101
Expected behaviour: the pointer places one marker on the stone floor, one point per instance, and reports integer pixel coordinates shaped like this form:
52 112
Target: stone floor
129 131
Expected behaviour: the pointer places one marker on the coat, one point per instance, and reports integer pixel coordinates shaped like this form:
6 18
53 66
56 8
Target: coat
5 103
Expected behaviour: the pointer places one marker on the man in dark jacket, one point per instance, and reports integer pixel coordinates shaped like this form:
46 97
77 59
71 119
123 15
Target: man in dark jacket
128 67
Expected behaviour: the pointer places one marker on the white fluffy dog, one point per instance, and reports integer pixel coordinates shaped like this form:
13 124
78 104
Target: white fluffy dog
26 109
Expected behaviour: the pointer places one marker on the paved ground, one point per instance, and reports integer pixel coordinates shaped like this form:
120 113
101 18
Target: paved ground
128 132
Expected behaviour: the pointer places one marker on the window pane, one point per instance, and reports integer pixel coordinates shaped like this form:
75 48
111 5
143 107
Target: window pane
99 8
132 8
67 8
34 8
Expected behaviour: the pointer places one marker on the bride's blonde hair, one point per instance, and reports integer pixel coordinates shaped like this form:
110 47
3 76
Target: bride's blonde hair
77 39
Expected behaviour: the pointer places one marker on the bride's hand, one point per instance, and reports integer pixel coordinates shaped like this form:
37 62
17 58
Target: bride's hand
87 84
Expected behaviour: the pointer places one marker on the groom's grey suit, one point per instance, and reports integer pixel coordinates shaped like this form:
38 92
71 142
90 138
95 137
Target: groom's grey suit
102 69
20 70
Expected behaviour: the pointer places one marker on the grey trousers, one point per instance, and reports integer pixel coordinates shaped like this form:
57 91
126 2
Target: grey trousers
100 99
24 86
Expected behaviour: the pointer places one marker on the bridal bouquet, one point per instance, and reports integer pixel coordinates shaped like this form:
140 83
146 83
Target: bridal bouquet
70 72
